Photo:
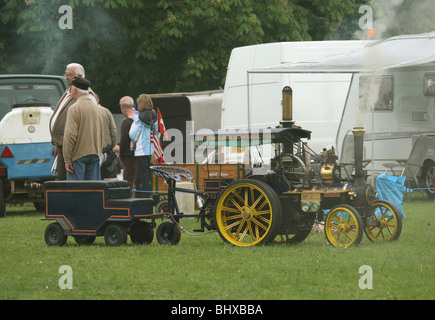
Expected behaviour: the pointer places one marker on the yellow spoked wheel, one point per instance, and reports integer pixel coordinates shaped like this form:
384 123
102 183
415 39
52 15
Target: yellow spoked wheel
248 213
343 226
384 222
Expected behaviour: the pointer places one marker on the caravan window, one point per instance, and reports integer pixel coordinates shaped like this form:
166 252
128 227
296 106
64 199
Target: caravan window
429 84
376 92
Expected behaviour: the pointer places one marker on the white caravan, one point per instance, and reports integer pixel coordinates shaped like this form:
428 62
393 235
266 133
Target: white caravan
392 95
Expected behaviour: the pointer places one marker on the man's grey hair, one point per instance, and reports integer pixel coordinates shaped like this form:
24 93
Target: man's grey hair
81 91
127 103
78 69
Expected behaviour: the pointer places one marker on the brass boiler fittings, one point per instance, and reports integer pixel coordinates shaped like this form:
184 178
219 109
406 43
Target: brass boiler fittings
328 172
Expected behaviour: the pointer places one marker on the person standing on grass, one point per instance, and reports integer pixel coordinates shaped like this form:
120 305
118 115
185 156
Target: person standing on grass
83 137
108 162
58 119
140 134
126 146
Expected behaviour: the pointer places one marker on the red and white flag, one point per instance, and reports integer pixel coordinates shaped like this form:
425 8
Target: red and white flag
155 139
162 128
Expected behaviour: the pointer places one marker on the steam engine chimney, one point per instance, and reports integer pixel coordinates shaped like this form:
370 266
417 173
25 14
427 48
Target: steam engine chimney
287 107
358 138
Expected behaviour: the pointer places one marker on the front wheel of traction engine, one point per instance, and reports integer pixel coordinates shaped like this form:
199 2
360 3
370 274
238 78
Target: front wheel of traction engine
248 213
343 226
384 222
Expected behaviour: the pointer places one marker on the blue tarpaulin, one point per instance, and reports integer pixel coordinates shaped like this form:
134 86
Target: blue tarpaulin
391 188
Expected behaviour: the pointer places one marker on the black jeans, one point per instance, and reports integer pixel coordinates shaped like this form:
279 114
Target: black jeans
143 168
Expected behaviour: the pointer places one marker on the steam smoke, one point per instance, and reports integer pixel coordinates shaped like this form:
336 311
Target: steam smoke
395 17
51 48
386 12
385 18
390 18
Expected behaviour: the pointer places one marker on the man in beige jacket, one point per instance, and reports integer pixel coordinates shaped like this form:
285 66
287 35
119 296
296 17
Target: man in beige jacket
58 119
83 136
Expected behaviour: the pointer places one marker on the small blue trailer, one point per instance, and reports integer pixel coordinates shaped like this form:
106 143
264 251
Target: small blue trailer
87 209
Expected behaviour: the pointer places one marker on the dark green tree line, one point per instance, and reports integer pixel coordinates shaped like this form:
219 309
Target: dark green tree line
155 46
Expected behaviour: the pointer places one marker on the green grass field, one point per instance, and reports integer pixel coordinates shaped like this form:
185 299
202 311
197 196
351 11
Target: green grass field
205 268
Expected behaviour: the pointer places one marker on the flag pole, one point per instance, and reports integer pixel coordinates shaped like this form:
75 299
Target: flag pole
151 141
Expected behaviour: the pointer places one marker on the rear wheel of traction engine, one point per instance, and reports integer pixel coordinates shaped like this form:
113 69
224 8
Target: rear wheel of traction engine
115 235
384 222
248 213
54 235
141 232
343 226
168 233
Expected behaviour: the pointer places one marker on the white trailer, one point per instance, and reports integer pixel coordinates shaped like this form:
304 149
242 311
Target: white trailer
253 99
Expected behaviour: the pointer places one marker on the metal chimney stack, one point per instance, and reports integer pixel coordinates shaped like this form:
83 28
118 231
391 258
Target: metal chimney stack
287 107
358 136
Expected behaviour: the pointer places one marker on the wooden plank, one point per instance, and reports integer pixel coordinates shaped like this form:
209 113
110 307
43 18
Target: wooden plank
201 172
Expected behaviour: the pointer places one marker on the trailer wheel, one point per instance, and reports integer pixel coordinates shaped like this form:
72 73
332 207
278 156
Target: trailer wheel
115 235
84 240
162 206
168 233
39 206
343 226
428 179
141 232
2 201
384 222
248 213
54 235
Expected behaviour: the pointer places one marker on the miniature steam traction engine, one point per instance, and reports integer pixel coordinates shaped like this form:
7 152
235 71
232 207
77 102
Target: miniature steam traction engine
286 199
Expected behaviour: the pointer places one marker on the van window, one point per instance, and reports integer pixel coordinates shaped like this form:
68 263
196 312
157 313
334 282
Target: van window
12 93
376 92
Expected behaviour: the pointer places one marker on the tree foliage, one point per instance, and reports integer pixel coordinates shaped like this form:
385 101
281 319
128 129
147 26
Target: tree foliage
136 46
